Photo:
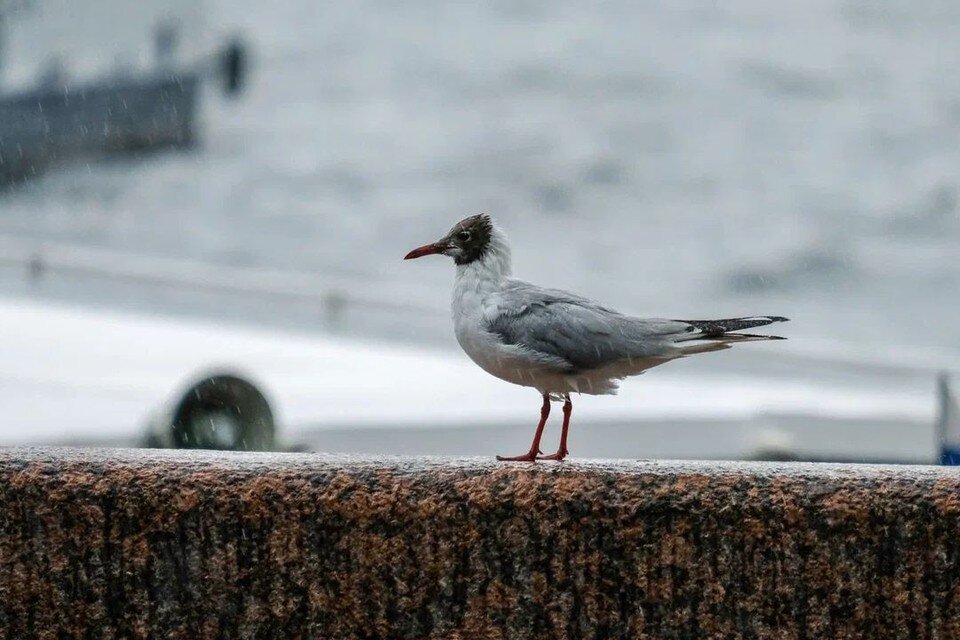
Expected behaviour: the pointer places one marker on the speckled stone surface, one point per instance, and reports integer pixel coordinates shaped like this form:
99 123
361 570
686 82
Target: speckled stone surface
124 544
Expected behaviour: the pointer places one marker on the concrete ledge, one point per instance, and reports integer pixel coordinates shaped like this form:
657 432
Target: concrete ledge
124 544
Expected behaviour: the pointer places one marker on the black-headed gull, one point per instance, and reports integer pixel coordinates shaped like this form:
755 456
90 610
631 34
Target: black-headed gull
554 341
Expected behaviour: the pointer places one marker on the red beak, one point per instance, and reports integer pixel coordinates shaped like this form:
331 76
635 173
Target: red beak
426 250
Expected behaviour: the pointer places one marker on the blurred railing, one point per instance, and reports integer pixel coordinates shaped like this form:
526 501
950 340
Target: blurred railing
332 296
138 544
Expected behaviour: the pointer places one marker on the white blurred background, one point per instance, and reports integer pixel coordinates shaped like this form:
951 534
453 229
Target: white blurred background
688 159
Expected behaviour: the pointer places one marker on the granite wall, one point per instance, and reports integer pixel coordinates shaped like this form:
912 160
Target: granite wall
168 544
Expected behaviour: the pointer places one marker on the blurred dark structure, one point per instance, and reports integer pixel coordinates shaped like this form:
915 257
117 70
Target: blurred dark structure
234 63
53 125
221 411
61 119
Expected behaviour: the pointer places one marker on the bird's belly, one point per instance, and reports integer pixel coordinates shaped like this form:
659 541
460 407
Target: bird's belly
510 364
487 352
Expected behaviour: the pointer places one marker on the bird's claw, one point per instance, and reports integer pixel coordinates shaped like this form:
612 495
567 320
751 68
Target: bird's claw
530 456
558 456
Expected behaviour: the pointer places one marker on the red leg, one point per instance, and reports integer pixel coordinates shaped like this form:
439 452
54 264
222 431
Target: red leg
531 455
562 451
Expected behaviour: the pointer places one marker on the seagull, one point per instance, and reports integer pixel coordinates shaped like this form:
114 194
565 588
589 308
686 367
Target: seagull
554 341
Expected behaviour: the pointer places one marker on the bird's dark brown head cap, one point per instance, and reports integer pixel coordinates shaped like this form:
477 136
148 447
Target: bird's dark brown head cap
467 241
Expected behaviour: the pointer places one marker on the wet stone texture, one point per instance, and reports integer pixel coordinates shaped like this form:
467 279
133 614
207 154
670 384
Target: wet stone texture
121 544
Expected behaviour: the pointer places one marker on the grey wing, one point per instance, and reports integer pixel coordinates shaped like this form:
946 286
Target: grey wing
577 331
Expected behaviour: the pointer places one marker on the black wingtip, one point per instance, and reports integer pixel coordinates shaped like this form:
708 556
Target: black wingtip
713 328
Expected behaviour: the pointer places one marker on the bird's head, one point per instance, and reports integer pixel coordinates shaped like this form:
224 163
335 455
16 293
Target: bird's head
470 239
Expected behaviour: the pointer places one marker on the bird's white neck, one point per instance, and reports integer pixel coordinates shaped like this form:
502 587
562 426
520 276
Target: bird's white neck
487 272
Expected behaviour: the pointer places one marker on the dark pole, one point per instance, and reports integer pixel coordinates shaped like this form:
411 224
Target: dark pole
3 34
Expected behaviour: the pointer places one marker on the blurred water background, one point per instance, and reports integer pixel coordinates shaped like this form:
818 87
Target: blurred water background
692 159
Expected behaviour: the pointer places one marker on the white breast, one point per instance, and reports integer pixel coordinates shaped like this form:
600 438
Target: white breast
472 291
474 303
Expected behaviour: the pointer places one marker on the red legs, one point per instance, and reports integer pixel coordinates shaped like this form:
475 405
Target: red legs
531 455
562 451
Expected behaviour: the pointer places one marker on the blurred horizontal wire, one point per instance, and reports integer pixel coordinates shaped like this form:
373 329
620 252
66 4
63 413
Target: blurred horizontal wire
41 258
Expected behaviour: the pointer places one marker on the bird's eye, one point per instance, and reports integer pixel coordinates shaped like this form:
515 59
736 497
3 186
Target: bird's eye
464 235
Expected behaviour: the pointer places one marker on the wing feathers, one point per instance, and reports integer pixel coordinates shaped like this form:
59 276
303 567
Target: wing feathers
570 329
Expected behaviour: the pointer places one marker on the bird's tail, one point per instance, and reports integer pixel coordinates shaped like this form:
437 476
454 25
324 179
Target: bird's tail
714 335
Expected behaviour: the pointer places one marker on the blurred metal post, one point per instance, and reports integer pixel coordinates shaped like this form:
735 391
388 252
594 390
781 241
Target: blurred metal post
35 268
334 305
234 64
948 422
